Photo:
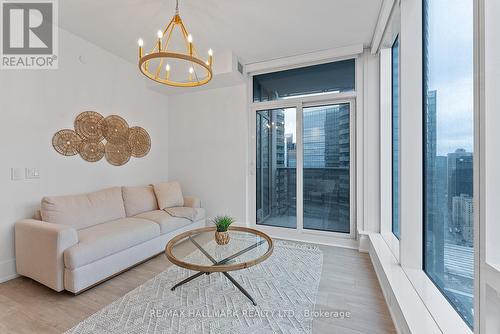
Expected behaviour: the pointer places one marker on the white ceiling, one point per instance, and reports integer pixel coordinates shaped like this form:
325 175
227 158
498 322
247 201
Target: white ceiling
255 30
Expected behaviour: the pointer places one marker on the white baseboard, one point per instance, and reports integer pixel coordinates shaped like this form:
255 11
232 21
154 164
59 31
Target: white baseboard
364 243
311 236
8 270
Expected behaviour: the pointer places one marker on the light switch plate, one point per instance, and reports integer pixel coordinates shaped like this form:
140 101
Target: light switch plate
32 173
17 174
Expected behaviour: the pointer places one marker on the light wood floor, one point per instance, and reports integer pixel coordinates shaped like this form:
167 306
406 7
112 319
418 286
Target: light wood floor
348 283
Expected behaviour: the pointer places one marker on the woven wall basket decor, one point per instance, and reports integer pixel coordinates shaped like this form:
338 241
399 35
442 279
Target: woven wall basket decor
91 151
87 125
66 142
115 129
139 141
96 137
118 154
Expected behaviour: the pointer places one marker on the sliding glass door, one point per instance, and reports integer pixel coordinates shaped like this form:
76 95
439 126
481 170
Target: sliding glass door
326 181
303 167
276 167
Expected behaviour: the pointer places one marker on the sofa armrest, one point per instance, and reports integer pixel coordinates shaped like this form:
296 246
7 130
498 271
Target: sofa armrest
192 202
39 250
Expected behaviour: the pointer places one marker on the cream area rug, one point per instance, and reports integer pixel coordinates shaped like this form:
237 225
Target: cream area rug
284 286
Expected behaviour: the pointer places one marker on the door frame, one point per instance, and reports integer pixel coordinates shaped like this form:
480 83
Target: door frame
299 103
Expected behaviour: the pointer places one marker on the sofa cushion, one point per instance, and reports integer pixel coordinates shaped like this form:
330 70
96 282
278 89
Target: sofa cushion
81 211
168 194
138 200
99 241
166 222
193 214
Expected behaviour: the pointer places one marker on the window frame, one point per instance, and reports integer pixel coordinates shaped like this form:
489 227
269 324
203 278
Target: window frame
411 162
393 32
424 184
396 40
300 233
297 69
353 98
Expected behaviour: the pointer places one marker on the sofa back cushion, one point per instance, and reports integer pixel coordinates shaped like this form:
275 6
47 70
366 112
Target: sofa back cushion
80 211
168 194
138 200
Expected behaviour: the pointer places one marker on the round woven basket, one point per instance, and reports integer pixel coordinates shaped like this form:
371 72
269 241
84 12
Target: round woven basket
117 154
66 142
115 129
91 151
88 126
139 141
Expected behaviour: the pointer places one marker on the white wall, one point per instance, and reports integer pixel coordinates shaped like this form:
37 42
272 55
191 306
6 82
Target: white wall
371 145
35 104
207 138
491 133
489 218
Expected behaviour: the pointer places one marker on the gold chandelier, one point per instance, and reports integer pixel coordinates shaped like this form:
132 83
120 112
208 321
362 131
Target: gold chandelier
158 65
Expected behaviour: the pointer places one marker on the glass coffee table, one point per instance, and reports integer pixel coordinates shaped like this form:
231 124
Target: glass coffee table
247 247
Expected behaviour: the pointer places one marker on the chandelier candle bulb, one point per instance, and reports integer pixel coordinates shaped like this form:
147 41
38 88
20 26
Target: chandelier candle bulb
141 43
210 57
160 35
167 69
190 41
191 71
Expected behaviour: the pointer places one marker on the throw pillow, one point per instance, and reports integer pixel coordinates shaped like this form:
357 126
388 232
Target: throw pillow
168 194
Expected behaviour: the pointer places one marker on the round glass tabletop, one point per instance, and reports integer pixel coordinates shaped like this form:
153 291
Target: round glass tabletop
247 247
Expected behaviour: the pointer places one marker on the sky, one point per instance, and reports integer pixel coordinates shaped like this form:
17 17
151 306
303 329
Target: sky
451 72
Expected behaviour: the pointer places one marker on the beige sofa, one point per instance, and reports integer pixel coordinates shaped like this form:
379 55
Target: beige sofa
82 240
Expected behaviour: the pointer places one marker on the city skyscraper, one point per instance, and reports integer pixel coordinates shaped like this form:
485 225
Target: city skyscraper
291 151
326 138
434 220
440 213
462 211
281 203
460 186
263 165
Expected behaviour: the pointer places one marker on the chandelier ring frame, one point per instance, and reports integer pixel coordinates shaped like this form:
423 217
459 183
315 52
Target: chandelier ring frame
169 55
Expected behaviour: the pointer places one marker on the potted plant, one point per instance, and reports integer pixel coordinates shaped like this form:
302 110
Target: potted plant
222 224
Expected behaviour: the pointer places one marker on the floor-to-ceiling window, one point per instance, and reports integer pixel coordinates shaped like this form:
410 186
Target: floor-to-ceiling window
303 147
448 150
395 135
